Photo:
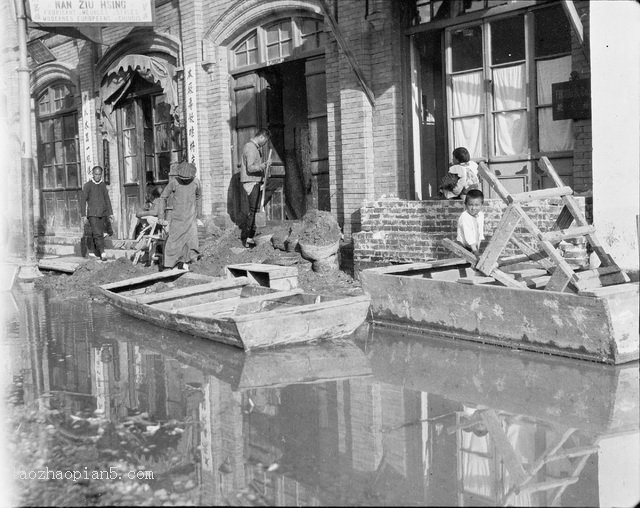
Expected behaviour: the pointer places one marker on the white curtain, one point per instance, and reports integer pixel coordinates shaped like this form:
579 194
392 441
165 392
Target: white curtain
466 99
553 135
510 92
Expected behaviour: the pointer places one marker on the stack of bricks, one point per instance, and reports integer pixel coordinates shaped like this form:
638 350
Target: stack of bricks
396 231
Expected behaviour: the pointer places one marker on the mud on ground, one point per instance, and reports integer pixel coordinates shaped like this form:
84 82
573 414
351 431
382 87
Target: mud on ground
217 250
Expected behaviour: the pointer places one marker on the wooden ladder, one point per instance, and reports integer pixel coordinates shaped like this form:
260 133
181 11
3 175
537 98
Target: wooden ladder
547 255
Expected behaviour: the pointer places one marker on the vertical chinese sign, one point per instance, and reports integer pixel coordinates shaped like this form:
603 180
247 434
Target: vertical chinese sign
88 128
192 114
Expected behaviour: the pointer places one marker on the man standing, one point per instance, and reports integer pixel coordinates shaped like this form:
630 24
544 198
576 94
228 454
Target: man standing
252 171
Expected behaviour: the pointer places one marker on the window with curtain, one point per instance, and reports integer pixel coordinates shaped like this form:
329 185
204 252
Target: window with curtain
491 106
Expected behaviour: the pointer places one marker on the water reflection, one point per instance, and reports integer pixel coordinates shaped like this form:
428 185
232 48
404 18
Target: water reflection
385 420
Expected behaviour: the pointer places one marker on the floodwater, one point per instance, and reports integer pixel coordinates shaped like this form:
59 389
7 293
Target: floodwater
116 411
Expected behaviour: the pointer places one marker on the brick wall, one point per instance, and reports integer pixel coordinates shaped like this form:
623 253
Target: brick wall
397 231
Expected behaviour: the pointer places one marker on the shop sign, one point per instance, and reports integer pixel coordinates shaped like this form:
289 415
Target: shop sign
192 113
87 131
571 100
91 12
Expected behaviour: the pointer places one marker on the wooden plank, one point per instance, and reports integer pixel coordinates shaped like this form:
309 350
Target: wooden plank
166 274
459 250
610 279
537 282
499 240
528 273
62 264
553 192
545 165
557 236
558 281
505 279
493 181
335 28
476 280
175 294
620 289
564 220
274 271
536 256
410 267
216 308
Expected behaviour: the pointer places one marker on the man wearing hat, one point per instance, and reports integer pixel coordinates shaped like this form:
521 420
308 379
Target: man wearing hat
184 193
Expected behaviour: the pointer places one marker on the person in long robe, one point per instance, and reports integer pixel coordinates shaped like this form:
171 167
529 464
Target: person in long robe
184 191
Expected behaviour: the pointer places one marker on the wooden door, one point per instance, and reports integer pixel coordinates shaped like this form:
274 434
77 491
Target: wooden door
131 140
318 143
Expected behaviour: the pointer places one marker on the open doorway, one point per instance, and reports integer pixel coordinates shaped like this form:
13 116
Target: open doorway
289 99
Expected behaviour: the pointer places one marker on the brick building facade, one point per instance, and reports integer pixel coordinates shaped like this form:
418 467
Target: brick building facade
363 112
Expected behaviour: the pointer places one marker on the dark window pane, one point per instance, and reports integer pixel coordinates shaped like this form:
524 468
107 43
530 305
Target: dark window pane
70 126
70 152
163 110
507 40
57 128
59 153
552 31
48 153
61 180
49 177
45 131
163 137
164 160
72 175
466 48
129 115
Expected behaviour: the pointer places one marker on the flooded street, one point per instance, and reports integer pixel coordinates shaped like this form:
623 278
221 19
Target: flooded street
114 411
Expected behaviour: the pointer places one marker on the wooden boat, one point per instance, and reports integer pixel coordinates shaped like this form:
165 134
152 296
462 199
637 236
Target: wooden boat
233 311
549 307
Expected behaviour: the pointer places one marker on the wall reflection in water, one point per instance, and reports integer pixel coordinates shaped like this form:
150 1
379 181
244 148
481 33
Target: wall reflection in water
386 419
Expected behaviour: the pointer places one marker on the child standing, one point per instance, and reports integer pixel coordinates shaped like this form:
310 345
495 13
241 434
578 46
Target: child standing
96 209
471 221
184 190
466 172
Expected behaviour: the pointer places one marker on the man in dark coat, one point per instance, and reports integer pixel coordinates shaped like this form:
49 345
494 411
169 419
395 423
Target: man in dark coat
96 209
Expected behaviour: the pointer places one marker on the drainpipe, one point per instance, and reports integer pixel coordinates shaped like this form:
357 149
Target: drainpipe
29 267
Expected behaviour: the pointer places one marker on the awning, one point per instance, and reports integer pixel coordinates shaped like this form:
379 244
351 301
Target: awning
119 78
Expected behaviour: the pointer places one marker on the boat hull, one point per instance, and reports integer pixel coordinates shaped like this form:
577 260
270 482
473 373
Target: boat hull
302 318
600 328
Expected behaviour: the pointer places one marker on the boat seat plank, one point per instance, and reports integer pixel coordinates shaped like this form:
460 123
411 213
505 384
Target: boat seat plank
198 299
166 274
192 290
224 306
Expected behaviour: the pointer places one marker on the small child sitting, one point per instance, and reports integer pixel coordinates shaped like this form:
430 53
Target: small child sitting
462 176
471 222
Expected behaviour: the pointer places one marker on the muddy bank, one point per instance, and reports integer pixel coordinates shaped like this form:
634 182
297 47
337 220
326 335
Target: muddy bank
217 250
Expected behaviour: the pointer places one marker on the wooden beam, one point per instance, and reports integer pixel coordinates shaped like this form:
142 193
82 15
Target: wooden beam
460 251
553 192
574 18
494 182
563 234
499 240
335 28
545 165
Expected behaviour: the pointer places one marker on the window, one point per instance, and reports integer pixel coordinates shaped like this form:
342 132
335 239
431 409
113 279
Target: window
246 52
278 40
285 39
58 138
490 103
431 10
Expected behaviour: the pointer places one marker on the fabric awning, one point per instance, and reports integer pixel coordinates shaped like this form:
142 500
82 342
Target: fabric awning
119 77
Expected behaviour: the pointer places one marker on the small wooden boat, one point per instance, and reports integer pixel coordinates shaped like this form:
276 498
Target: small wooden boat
233 311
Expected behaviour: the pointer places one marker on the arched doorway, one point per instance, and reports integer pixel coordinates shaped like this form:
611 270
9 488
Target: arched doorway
279 83
140 101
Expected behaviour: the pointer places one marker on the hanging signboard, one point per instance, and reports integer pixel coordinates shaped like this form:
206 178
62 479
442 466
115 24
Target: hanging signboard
192 114
571 100
91 12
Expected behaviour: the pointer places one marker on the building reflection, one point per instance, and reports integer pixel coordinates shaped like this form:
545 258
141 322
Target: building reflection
393 420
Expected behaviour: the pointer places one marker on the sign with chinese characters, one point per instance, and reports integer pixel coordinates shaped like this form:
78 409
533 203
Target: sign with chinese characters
192 114
571 99
92 12
87 131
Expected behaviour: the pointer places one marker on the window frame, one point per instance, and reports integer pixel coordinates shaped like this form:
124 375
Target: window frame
532 106
51 116
296 39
